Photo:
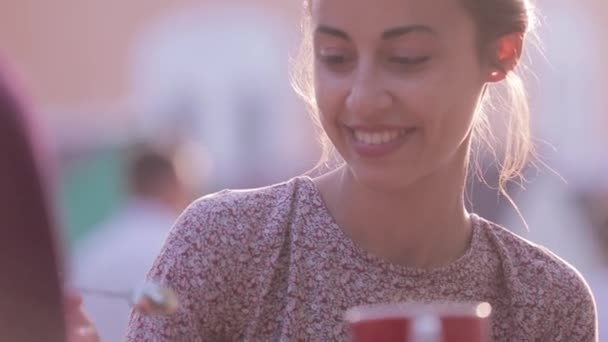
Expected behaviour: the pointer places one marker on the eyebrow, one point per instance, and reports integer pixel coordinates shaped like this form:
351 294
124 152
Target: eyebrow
403 30
332 32
386 35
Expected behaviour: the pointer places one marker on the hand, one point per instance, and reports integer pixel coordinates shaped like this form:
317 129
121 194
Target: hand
79 326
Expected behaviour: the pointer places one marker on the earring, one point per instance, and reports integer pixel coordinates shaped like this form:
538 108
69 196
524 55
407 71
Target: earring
497 75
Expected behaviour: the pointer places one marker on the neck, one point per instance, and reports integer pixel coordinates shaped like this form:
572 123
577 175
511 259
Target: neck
422 225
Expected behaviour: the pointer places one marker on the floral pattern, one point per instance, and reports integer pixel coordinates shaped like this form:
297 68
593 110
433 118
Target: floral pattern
271 264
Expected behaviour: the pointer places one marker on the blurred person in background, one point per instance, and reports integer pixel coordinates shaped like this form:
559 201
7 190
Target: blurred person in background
34 304
119 252
398 88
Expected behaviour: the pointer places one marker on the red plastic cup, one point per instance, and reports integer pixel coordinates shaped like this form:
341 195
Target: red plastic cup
403 322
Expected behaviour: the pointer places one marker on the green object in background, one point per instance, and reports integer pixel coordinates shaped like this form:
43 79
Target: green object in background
91 188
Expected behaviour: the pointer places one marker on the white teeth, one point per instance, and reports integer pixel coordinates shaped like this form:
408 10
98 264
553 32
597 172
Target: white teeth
386 136
379 137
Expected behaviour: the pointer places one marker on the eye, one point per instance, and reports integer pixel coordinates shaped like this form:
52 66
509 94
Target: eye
333 59
336 61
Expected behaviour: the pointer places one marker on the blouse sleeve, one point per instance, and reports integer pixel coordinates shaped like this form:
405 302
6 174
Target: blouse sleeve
578 322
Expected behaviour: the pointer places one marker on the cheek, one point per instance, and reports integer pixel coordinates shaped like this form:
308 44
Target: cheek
443 102
330 94
460 105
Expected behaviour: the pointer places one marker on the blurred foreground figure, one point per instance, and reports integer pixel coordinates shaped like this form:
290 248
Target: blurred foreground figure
32 303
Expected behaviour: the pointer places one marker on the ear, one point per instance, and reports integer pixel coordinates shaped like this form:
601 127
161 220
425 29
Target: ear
504 56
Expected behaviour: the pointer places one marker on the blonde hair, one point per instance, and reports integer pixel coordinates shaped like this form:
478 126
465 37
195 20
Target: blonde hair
494 18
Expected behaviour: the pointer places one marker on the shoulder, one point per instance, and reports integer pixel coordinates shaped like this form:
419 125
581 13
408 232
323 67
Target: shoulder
237 212
233 231
539 279
217 258
533 263
248 200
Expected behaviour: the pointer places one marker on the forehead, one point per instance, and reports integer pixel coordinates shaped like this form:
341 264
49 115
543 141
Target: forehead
374 16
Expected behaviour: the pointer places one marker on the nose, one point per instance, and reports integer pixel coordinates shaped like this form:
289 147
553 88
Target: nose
368 96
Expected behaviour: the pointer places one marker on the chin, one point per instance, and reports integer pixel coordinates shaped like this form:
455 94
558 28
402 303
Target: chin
384 179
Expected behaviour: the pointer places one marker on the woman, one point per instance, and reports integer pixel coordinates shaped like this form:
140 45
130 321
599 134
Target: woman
30 286
398 89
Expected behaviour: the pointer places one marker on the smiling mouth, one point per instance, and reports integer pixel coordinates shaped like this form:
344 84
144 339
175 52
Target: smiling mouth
380 137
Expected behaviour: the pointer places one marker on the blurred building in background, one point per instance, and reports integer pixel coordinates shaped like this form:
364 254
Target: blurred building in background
219 77
206 76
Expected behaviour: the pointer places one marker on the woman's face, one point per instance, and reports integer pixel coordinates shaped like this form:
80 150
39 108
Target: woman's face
397 83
